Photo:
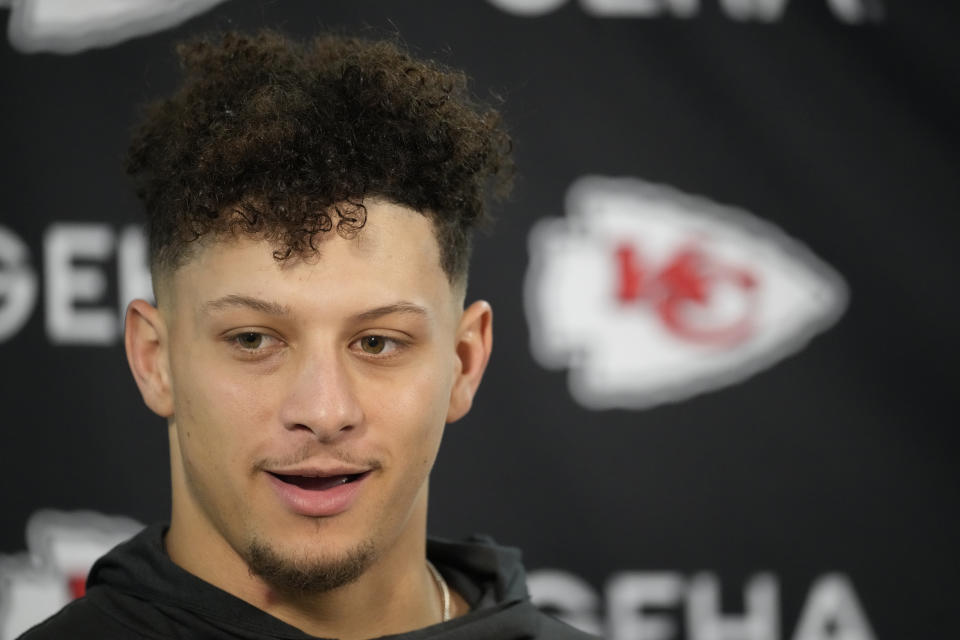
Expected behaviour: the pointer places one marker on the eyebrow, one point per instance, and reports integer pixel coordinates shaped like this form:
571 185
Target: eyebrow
247 302
398 307
277 309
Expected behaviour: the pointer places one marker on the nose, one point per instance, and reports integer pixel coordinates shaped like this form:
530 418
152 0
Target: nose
322 400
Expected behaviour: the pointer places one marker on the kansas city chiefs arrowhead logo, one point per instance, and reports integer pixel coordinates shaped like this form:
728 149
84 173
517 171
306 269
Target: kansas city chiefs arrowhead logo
648 295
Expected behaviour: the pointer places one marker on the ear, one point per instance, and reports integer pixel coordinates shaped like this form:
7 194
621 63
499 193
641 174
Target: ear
145 338
474 342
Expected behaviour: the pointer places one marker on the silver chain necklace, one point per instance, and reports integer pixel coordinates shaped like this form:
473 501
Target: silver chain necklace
444 590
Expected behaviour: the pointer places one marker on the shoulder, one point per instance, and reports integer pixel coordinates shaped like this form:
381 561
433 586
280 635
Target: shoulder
554 629
79 619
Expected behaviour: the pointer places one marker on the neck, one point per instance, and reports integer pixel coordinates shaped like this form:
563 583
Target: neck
395 594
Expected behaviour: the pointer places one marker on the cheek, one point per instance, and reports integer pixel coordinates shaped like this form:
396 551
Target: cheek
410 411
217 412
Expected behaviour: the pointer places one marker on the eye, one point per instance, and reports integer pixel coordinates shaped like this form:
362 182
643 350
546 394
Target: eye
249 340
380 346
252 340
373 344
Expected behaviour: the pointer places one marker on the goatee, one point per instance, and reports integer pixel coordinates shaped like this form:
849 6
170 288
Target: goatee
306 576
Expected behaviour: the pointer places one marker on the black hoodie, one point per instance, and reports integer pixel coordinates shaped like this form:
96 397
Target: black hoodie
136 591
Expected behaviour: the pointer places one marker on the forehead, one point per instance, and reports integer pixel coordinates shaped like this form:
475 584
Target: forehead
396 252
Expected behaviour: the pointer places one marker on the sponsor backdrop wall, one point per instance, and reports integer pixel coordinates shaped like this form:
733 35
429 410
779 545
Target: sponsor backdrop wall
718 407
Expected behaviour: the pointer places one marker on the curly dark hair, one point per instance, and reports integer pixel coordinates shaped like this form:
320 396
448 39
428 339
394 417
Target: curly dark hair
284 140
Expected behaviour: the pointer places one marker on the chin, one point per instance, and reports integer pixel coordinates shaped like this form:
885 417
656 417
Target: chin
301 572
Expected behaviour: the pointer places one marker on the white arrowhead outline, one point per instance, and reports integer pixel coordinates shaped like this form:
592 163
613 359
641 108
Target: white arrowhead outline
764 232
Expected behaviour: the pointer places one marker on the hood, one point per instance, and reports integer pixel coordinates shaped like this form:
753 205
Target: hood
138 585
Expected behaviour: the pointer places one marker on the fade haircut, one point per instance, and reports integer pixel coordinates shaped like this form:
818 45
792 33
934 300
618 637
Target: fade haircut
283 140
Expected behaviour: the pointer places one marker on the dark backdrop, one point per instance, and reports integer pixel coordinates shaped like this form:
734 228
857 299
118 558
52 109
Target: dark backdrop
839 460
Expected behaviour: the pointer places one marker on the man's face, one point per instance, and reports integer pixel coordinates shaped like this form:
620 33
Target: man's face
309 396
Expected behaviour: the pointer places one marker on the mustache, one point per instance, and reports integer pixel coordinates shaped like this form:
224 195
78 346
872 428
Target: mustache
310 450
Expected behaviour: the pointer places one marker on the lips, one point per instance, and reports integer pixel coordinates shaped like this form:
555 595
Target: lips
318 483
318 493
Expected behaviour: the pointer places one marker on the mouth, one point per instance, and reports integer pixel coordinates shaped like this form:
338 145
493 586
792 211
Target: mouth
319 490
319 483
